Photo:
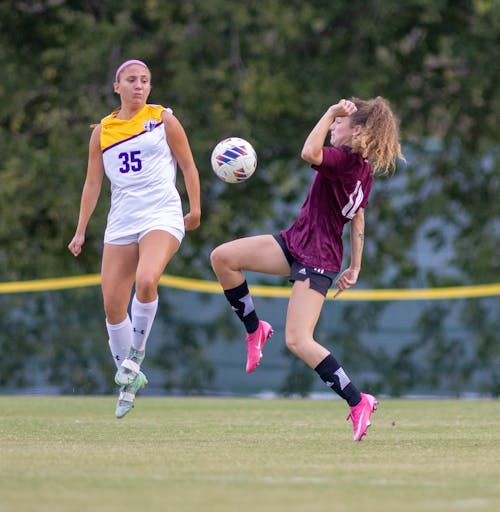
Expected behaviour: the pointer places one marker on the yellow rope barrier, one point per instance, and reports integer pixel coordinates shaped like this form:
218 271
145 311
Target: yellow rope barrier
198 285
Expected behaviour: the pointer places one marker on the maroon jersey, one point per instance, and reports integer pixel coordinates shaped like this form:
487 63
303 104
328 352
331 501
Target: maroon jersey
340 187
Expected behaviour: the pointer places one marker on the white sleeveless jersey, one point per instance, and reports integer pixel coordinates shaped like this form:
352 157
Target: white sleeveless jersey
142 171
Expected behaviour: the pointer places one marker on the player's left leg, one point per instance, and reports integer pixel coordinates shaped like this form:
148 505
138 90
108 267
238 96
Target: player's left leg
303 313
156 248
304 308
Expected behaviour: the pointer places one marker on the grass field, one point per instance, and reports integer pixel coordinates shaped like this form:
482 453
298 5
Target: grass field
222 454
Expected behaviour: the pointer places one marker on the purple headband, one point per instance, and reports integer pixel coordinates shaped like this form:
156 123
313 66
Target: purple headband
125 64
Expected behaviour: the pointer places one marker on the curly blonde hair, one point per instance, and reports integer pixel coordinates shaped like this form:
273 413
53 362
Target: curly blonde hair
378 140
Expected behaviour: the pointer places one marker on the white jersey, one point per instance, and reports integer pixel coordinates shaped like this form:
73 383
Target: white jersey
142 171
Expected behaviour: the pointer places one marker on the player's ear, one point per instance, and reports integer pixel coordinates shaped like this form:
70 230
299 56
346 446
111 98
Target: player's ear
116 87
357 130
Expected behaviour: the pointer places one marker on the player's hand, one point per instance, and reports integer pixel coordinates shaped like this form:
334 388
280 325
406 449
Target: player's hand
347 279
192 220
344 108
75 246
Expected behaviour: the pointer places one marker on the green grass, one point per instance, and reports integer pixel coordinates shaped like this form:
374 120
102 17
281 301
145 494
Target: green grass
209 454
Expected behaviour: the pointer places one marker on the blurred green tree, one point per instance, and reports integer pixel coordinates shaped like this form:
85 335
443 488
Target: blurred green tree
264 71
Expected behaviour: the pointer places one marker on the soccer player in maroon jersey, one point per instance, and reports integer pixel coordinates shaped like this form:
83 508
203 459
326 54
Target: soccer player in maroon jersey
364 137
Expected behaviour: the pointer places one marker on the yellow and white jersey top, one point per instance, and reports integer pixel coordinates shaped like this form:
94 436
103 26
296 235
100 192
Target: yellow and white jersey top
142 170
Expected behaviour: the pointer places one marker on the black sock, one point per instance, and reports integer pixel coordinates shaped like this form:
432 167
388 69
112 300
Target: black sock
333 375
242 304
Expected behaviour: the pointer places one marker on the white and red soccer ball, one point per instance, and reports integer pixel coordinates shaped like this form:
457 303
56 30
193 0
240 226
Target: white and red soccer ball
234 160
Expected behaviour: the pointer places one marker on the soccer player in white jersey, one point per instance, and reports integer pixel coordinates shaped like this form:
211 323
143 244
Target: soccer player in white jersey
138 147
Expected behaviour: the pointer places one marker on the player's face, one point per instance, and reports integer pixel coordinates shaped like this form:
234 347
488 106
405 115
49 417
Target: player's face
134 84
341 132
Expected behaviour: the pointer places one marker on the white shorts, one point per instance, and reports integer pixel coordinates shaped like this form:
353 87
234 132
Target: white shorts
135 238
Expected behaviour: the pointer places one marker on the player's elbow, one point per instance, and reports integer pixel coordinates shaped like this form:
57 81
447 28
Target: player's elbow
311 155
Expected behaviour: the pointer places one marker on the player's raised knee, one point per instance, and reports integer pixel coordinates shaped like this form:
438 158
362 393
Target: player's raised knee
218 258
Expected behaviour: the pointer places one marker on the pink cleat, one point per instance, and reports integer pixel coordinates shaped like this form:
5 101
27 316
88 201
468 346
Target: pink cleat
360 416
255 343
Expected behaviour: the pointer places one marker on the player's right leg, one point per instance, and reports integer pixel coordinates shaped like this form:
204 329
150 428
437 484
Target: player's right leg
260 253
126 398
117 278
257 254
118 270
119 263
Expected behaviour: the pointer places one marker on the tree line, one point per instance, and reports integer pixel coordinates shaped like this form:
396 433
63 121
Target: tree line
264 71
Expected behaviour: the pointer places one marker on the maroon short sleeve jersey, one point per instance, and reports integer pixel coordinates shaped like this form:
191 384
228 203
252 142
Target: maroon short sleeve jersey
340 187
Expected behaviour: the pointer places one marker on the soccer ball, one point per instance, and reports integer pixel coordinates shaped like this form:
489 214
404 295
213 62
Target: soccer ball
234 160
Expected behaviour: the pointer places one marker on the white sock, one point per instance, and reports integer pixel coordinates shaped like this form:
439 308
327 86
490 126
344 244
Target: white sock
143 315
120 340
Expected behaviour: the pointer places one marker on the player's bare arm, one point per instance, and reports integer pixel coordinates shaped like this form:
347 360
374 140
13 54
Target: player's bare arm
349 277
312 151
91 191
179 144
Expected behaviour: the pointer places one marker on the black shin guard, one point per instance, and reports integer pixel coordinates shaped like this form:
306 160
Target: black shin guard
242 304
334 376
